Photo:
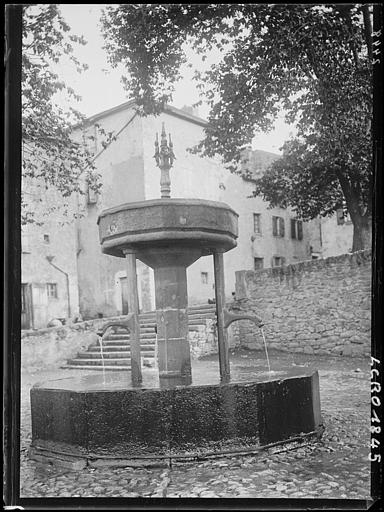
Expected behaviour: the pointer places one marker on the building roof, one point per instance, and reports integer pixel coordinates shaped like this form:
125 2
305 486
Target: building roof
177 112
255 162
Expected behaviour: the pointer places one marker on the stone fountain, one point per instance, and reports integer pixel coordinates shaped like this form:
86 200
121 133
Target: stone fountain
174 414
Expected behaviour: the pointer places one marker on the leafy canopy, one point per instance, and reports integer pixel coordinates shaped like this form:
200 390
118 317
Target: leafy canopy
309 60
52 159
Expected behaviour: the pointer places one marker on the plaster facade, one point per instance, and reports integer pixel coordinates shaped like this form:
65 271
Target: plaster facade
47 293
336 238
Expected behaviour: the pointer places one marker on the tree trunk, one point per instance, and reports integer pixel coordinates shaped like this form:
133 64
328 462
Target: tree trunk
362 233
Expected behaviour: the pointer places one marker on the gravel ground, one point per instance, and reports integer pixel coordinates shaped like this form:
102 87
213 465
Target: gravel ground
337 466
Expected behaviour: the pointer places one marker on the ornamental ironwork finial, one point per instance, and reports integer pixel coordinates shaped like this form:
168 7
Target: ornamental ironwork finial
164 157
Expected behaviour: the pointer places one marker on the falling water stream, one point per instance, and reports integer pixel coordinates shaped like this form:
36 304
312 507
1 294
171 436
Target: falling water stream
266 349
100 338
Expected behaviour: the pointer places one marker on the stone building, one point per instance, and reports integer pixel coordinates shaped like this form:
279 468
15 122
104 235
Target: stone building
80 278
267 237
49 287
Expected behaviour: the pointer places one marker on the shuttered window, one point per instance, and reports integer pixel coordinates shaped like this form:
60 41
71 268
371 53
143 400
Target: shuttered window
274 226
278 226
296 229
299 230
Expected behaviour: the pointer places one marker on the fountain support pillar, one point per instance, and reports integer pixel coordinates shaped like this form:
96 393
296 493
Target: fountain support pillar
218 263
133 307
174 357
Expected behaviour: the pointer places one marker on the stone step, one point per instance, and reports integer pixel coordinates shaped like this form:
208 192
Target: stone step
199 321
112 343
118 336
119 348
116 345
94 367
96 362
113 355
124 348
202 314
114 348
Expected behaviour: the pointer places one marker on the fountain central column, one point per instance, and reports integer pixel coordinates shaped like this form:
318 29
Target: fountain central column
172 321
170 272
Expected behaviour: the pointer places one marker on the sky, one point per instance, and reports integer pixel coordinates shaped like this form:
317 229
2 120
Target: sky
100 86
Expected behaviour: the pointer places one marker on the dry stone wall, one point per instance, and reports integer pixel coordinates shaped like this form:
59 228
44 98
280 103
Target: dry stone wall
315 307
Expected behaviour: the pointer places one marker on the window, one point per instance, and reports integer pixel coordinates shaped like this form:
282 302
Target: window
52 290
278 261
46 239
204 277
257 223
258 263
296 229
278 228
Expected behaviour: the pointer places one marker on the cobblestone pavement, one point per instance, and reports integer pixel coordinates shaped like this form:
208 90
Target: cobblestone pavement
337 466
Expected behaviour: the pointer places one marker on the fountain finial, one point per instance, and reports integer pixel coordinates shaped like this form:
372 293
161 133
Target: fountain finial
164 157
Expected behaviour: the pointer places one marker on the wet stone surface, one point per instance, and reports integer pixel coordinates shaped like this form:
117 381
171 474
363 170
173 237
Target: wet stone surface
337 466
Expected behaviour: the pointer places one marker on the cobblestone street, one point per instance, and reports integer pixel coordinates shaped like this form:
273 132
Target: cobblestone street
337 466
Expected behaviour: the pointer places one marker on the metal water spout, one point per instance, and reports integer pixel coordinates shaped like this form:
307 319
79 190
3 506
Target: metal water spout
129 323
126 323
230 317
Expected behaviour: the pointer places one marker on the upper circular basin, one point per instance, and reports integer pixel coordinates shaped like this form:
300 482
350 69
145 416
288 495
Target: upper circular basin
208 225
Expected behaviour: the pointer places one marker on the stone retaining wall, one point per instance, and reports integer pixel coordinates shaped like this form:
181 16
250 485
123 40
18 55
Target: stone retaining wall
51 347
316 307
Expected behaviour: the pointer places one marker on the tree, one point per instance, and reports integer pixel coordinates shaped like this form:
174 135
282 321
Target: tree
52 159
311 61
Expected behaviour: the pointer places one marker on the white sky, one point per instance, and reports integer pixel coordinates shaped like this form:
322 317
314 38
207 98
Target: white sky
100 86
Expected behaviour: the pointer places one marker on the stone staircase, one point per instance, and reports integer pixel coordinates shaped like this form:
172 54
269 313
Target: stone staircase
116 346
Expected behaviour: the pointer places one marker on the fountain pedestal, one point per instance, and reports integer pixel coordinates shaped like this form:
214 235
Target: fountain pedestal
170 272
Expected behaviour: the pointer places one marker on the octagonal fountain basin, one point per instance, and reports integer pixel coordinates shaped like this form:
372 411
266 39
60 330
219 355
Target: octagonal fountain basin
101 420
198 226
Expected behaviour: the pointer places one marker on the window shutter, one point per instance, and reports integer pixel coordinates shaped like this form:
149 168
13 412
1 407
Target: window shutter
282 227
282 261
274 226
293 228
300 230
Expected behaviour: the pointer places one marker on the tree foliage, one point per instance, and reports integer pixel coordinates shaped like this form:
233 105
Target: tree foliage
309 60
52 159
